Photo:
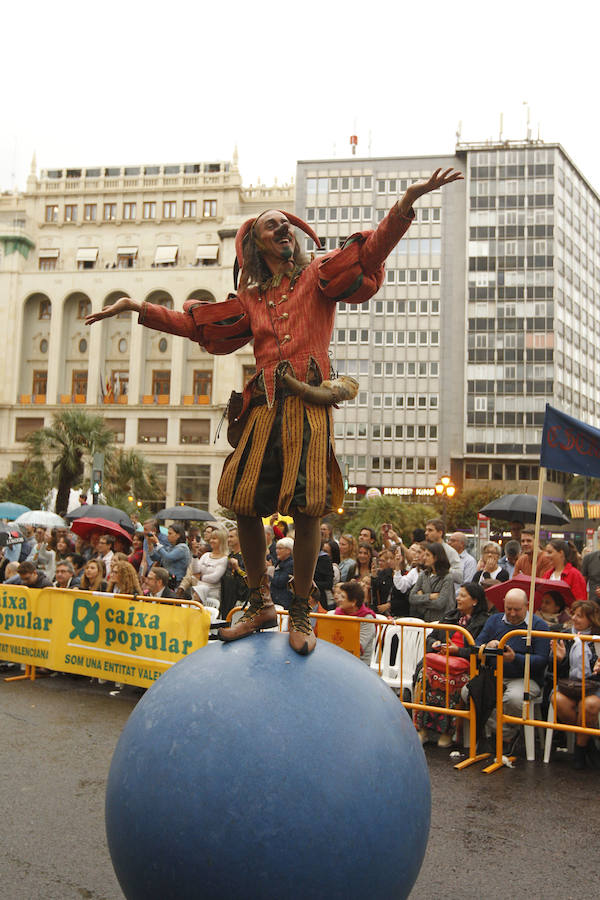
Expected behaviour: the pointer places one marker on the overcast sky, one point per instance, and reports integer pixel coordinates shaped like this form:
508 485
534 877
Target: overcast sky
147 82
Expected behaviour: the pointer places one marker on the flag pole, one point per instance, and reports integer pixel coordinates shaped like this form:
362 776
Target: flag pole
536 542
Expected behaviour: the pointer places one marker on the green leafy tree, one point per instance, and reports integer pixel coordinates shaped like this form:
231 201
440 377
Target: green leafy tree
128 473
29 485
575 488
462 509
404 517
70 442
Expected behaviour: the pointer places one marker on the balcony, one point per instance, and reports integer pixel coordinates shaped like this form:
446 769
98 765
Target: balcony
195 399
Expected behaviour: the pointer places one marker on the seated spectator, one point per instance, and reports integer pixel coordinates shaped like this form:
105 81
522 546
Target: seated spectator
65 573
525 560
234 588
350 599
471 612
123 579
78 562
508 560
11 573
563 568
93 576
175 557
271 542
282 572
515 617
122 544
553 610
573 658
489 570
157 583
348 549
433 594
211 569
31 577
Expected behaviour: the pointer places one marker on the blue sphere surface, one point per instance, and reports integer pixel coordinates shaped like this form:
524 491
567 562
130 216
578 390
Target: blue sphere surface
248 771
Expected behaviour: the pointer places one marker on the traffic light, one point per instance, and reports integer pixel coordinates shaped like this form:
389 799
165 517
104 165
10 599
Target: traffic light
97 475
96 481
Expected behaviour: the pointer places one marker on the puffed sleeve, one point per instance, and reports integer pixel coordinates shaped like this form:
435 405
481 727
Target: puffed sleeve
355 272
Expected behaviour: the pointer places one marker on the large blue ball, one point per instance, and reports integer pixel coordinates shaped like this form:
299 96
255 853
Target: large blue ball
248 771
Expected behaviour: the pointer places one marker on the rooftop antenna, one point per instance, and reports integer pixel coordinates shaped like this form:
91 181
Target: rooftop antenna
353 143
458 131
528 126
501 126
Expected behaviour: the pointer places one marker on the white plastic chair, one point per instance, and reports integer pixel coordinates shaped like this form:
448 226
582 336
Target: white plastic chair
550 735
409 651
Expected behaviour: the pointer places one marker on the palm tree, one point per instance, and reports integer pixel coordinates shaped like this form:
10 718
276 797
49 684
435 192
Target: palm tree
129 474
71 441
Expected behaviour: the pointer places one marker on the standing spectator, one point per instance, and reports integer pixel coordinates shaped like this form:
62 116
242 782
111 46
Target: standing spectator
367 536
561 557
508 560
63 547
282 572
458 541
590 569
41 555
516 530
382 584
348 549
105 552
157 582
151 527
433 594
211 569
525 560
234 589
489 569
330 553
327 536
137 550
324 578
364 561
176 557
434 533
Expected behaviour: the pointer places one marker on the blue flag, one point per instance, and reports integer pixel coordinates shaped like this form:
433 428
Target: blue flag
569 445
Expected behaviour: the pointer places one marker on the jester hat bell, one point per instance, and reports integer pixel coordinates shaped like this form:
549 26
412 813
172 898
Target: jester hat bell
246 228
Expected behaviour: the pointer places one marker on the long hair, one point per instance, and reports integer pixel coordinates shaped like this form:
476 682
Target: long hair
126 578
95 585
254 270
441 566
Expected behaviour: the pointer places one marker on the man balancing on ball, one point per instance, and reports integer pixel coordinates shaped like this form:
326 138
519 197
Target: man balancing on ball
283 458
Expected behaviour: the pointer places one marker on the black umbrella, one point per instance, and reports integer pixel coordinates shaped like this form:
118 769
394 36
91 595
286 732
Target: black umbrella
185 514
100 511
522 508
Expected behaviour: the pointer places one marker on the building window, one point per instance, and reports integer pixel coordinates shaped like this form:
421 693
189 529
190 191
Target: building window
25 427
433 433
161 382
189 209
149 209
79 380
89 212
47 264
82 345
248 372
126 259
375 463
119 382
45 308
110 212
40 381
51 213
194 431
202 384
152 431
192 485
117 426
129 210
169 209
209 209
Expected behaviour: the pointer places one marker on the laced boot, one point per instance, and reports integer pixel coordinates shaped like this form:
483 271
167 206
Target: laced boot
301 636
260 613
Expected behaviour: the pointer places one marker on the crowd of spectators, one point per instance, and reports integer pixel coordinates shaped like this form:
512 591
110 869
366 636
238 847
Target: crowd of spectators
369 575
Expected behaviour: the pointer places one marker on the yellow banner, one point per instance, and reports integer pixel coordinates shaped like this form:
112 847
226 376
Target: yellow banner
100 635
341 632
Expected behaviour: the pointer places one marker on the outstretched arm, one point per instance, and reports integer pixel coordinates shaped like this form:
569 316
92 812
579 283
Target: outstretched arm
123 304
151 315
419 188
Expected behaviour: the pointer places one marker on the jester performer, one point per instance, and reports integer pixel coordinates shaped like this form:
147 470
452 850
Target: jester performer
283 458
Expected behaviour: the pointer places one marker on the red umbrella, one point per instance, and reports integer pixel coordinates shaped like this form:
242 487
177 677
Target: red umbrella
85 527
497 592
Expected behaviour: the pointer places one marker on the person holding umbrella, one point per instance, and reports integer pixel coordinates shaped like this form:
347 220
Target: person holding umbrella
561 558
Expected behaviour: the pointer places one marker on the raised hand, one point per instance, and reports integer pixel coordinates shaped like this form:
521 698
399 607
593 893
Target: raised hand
437 180
123 304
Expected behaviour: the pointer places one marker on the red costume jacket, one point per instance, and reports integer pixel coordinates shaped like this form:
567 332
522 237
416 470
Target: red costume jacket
293 323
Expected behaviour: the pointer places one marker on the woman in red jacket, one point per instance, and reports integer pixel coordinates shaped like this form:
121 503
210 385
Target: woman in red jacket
561 557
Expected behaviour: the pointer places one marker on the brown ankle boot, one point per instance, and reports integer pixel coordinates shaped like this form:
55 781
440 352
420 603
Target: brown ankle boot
260 613
302 638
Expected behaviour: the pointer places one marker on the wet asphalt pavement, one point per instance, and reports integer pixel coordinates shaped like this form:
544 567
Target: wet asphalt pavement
522 833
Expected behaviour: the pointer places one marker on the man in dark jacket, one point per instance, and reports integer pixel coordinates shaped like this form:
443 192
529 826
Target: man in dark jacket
30 577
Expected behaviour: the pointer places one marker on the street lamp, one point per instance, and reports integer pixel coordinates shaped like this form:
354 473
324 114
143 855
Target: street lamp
445 488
